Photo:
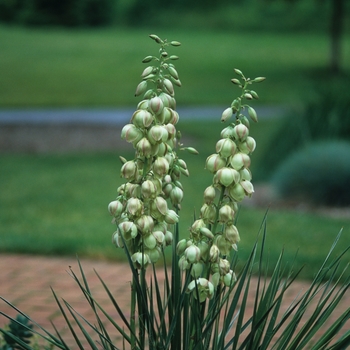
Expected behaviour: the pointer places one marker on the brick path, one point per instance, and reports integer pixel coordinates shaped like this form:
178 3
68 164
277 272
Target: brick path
26 280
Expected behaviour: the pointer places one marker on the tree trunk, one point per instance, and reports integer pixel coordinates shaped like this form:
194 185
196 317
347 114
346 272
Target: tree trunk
336 30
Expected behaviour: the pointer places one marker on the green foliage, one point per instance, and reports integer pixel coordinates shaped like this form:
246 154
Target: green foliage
18 334
318 174
325 116
58 12
86 68
167 299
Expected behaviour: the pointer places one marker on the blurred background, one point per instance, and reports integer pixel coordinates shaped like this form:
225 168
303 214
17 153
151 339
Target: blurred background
68 73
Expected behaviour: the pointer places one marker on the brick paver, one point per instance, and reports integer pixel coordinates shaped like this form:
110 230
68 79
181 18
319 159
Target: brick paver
25 281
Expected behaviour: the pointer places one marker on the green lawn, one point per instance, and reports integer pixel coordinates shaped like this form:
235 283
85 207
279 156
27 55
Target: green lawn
57 204
58 67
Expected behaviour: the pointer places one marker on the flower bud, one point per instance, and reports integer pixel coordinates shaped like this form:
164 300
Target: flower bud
197 270
159 208
238 72
224 266
142 118
231 234
236 192
192 254
204 289
240 160
206 233
134 206
147 59
165 116
163 149
166 99
168 238
248 146
140 260
145 224
236 81
115 208
229 279
154 255
129 170
150 241
128 229
226 147
259 79
131 133
167 190
252 114
209 194
223 245
227 132
248 187
191 150
208 213
157 134
171 130
196 226
171 217
133 190
204 249
245 174
183 264
161 166
215 279
159 236
148 189
181 247
168 85
143 104
161 226
147 71
214 163
155 105
176 195
240 132
117 240
227 176
227 114
226 214
214 254
141 88
144 147
173 72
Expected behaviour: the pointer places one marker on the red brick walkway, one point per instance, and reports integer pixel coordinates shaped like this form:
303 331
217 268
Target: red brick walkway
25 281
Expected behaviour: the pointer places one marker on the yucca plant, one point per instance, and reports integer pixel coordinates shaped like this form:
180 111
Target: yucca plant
201 303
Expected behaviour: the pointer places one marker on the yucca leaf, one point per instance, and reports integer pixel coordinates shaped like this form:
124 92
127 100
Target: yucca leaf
82 328
17 340
76 338
50 337
86 292
120 312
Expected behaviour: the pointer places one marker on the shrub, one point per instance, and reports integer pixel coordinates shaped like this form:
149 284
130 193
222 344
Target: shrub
319 173
58 12
324 117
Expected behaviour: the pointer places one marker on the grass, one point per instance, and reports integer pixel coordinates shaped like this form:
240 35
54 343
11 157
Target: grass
64 68
57 204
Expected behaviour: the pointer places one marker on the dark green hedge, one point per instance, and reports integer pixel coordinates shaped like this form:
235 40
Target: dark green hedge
58 12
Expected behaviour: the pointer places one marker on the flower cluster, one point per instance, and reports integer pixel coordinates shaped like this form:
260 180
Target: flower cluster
214 235
141 210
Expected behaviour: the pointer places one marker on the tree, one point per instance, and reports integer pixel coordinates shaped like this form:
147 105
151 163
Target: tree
336 33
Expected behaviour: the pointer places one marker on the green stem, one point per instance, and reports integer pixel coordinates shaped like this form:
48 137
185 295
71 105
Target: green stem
132 315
